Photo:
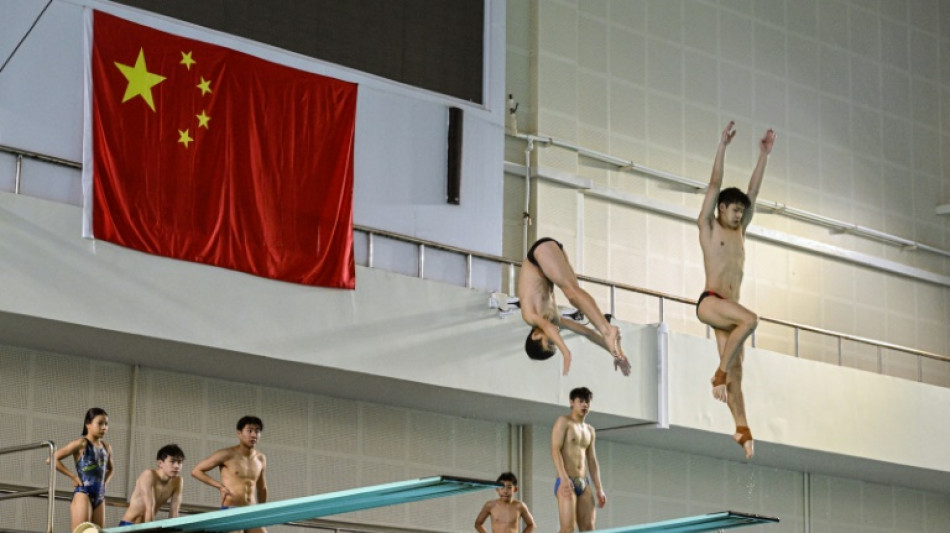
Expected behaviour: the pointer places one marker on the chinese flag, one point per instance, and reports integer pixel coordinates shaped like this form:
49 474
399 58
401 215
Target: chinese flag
202 153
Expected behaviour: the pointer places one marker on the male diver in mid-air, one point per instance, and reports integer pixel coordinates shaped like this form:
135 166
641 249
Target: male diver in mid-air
545 267
722 222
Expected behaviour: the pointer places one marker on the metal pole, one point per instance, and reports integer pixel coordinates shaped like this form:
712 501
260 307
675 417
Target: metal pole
422 261
51 497
468 271
19 171
369 249
797 342
662 310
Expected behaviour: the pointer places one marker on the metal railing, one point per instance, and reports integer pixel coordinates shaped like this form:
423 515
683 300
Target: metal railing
661 297
49 491
423 245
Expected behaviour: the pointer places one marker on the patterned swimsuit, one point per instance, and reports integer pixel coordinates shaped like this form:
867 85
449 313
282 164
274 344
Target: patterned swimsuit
91 467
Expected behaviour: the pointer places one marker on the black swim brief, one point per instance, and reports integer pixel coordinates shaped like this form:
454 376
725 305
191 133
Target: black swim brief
534 246
705 295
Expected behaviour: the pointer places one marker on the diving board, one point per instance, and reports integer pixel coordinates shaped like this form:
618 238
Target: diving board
706 522
283 511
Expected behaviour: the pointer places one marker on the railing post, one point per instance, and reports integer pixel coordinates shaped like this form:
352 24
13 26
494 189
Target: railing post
840 354
422 261
369 249
468 271
797 342
662 308
920 368
51 497
753 339
511 279
19 171
880 360
613 301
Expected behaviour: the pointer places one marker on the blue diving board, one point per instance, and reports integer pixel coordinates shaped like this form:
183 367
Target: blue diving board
706 522
283 511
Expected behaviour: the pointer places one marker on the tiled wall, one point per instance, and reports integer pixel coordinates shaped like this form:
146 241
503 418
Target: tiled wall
859 93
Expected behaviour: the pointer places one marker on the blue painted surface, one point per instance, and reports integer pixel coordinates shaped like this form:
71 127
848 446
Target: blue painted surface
706 522
280 512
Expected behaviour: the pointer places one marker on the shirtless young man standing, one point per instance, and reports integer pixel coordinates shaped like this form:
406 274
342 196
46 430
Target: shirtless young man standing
545 267
722 226
572 449
242 469
155 487
506 512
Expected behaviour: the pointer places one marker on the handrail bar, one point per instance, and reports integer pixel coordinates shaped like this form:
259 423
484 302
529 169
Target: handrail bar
511 264
662 296
41 157
51 487
433 244
787 323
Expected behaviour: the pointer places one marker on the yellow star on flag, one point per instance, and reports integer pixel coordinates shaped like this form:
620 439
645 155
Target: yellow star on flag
205 86
140 80
187 60
203 119
184 138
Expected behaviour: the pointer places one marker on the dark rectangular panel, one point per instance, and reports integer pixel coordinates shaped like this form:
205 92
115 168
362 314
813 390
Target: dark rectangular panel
431 44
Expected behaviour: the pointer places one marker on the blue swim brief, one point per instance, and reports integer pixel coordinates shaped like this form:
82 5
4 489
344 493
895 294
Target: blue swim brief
125 523
580 485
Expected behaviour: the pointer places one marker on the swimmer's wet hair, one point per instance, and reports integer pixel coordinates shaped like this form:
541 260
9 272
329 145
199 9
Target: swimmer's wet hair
509 477
733 195
170 450
91 415
583 393
535 349
245 420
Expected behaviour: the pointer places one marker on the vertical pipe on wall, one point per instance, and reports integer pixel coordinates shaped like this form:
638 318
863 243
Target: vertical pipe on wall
525 215
806 501
133 421
663 376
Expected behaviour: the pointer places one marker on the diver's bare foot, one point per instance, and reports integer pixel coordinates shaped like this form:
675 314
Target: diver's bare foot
719 386
623 364
743 437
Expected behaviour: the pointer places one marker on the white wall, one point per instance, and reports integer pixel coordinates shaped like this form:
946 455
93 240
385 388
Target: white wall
401 132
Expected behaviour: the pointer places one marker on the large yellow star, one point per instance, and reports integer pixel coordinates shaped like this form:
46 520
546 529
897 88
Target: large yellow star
205 86
187 60
203 119
184 138
140 79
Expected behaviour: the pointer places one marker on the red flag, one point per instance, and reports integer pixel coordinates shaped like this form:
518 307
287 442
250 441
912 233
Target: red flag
210 155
